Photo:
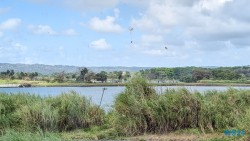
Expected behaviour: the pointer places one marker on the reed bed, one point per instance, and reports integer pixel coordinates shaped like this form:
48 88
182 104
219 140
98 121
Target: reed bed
65 112
139 110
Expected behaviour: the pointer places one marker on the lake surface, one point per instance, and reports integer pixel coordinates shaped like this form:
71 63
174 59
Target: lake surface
94 93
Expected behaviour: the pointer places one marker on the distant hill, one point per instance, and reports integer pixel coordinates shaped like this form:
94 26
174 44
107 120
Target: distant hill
49 69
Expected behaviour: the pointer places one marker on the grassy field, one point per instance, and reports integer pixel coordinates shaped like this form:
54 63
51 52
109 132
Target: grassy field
138 113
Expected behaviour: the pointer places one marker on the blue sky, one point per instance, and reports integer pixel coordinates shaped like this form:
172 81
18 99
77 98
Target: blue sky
95 33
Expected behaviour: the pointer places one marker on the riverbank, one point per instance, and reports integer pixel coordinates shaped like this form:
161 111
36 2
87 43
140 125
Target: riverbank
67 84
26 83
9 85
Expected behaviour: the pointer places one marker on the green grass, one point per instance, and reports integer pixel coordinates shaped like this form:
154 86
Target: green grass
139 110
12 135
65 112
240 81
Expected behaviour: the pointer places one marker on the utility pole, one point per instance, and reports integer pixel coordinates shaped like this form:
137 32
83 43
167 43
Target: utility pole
103 89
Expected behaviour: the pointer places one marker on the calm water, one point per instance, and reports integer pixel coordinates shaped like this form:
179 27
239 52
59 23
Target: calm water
94 93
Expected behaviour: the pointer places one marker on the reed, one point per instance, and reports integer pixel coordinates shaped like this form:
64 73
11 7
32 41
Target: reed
67 111
139 109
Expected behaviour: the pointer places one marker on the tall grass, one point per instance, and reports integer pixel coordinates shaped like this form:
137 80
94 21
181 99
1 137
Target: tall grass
137 110
76 112
140 110
65 112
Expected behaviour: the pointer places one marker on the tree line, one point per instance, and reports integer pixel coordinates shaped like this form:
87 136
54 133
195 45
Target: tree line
88 76
182 74
195 74
11 74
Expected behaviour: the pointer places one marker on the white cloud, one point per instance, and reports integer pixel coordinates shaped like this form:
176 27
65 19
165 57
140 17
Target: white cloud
100 44
202 20
41 29
106 25
219 29
144 23
211 5
10 24
69 32
190 28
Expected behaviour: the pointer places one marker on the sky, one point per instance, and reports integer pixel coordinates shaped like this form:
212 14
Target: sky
97 32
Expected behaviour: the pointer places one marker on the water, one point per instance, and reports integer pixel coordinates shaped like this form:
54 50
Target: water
94 93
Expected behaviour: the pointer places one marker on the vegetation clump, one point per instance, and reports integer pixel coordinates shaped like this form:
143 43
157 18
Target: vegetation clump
65 112
138 110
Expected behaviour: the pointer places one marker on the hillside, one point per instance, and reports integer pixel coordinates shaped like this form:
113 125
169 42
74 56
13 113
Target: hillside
49 69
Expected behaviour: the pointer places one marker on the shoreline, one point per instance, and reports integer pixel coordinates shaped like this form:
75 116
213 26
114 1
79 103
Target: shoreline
152 84
120 84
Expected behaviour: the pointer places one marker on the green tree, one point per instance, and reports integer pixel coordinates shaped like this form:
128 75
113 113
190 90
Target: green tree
112 76
199 74
89 76
126 75
73 76
118 75
83 72
22 75
33 75
102 76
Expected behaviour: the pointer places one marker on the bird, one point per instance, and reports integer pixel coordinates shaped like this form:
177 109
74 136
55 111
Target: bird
130 30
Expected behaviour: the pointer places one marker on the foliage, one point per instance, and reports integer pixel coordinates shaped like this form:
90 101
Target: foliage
8 74
60 77
195 74
102 76
67 111
139 110
83 72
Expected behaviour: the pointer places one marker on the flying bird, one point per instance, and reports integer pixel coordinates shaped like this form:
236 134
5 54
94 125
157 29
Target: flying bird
131 30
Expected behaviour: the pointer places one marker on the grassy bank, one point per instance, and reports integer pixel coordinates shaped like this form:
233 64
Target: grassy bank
77 84
139 109
138 113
